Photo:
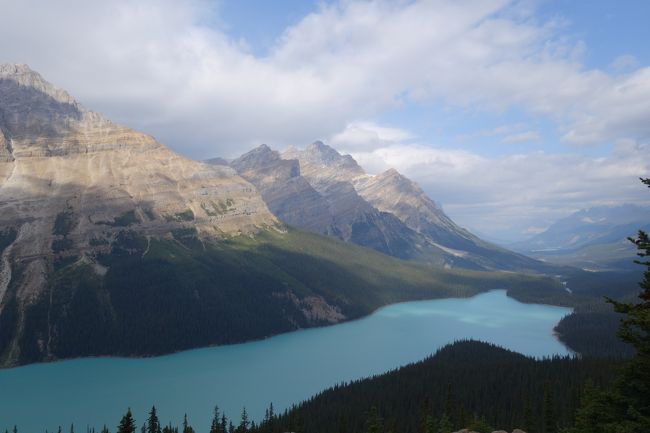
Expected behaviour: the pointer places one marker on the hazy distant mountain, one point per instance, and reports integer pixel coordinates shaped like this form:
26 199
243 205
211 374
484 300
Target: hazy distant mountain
112 244
320 190
591 238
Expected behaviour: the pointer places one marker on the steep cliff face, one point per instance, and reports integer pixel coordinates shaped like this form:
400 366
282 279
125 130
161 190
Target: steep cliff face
72 184
314 194
112 244
425 231
287 194
71 180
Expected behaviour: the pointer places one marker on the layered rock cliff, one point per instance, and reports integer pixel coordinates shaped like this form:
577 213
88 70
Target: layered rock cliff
387 212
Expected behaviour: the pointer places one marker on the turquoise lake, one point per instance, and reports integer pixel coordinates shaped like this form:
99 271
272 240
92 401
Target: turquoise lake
285 369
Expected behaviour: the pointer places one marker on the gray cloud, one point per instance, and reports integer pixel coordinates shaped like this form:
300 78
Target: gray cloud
506 196
155 65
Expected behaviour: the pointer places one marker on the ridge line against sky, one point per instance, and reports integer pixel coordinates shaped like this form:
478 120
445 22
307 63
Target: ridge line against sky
510 113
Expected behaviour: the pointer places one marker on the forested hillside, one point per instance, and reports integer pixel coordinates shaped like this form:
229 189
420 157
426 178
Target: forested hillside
466 384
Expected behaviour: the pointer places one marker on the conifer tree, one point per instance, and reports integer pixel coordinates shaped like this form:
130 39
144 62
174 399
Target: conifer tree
127 424
374 423
224 421
186 427
429 424
215 426
528 417
153 424
243 423
342 425
445 426
105 429
633 387
550 420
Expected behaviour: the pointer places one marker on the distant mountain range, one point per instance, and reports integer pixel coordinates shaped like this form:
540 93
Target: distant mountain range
594 238
112 244
319 190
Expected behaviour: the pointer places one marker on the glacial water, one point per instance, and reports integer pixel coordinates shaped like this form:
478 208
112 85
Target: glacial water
285 369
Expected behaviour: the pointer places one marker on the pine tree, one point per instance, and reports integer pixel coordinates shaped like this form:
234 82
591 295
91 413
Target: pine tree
224 425
342 425
243 423
451 408
445 426
374 423
127 424
425 411
153 424
528 417
270 422
215 427
429 424
550 420
105 429
186 427
633 387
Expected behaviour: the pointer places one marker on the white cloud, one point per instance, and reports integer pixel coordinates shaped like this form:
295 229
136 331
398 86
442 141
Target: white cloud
360 136
505 196
157 66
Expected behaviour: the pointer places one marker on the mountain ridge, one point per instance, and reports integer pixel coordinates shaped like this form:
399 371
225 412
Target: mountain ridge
112 244
594 238
387 212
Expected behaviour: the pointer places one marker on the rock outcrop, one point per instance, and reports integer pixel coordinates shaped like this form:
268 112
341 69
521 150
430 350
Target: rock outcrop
408 216
316 194
287 194
71 180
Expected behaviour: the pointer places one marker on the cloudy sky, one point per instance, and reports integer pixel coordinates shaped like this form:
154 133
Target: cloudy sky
510 113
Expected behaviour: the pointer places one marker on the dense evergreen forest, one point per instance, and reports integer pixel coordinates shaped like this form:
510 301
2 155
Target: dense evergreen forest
466 384
165 295
591 329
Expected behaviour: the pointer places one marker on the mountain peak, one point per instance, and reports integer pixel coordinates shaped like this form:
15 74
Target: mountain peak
321 154
23 76
259 155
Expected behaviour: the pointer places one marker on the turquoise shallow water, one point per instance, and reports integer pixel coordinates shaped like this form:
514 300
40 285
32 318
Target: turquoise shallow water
284 369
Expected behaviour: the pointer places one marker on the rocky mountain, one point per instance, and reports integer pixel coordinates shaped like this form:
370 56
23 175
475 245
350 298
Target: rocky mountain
112 244
71 180
331 207
594 238
287 194
387 212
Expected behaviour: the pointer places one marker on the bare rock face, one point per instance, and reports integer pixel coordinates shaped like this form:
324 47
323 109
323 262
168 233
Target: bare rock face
287 194
71 180
405 215
322 164
322 201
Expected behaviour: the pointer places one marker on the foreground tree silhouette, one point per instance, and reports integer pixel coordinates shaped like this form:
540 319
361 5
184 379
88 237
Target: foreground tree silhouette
625 409
633 388
153 424
127 424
